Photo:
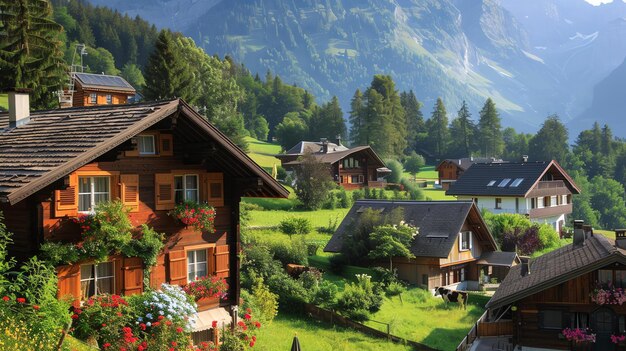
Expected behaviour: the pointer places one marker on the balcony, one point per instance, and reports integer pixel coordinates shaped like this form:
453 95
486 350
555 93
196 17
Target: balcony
550 211
549 188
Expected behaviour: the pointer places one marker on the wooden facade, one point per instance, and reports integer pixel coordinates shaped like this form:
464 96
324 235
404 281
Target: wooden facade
97 97
448 172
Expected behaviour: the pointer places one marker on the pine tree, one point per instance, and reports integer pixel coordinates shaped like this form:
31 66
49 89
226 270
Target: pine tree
30 50
490 130
550 142
357 119
607 141
393 119
332 123
462 132
414 119
438 133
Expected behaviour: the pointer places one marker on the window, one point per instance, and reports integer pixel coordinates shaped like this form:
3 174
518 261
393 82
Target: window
533 203
504 182
97 279
546 201
517 182
196 264
109 99
498 203
92 191
465 241
350 163
355 179
146 145
491 183
559 198
341 179
580 320
425 279
569 199
361 178
186 188
605 277
540 202
93 98
551 319
620 279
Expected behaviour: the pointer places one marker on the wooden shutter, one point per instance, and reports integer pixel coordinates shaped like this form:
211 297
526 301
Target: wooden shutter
130 191
132 270
69 282
215 189
178 267
167 145
157 274
164 190
222 263
66 201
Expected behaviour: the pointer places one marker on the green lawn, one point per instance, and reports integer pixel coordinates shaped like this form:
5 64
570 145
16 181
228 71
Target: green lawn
608 233
263 153
318 218
317 336
437 194
76 345
425 173
4 101
428 320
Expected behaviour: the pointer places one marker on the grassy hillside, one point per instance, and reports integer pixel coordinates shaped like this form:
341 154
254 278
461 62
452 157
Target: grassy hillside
263 153
4 101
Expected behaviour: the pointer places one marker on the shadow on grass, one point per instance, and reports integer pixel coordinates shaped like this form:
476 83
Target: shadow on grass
445 339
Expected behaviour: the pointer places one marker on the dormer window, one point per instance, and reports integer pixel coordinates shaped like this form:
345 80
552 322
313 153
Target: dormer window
146 145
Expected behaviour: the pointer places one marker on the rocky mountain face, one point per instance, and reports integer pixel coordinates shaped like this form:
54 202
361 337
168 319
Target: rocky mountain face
533 57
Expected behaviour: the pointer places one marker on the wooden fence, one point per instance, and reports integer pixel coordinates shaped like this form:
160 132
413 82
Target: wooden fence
333 318
495 328
471 335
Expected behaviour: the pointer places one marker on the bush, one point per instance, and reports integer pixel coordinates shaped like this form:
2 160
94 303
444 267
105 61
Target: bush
291 294
358 195
311 279
292 252
385 275
344 200
414 192
326 295
295 225
337 263
395 289
396 171
360 296
331 202
312 248
548 236
257 262
331 227
281 173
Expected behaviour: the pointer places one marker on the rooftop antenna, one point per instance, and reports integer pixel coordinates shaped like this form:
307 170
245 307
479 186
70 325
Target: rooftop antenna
66 96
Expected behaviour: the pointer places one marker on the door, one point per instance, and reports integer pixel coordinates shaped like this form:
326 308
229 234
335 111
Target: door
603 324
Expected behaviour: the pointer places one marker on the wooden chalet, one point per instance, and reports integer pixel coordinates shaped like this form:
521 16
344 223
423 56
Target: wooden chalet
453 245
351 168
101 89
542 296
449 170
57 164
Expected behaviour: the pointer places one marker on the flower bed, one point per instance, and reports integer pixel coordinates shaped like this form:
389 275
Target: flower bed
199 216
578 335
207 287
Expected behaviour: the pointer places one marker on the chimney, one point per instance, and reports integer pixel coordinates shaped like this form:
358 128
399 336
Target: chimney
579 232
324 142
338 139
19 107
525 265
472 158
620 238
524 158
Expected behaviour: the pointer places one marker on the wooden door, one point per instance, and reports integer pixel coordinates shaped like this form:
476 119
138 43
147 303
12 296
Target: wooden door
603 324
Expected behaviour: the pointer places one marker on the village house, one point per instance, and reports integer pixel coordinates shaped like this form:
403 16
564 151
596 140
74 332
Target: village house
578 286
452 248
540 190
353 168
59 164
449 170
88 89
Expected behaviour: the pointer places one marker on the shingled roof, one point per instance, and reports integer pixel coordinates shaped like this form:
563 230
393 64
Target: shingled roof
466 162
486 179
439 224
55 143
557 267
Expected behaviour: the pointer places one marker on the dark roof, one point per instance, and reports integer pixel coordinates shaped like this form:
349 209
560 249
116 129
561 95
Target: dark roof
498 258
332 157
476 179
103 81
439 224
466 162
313 147
556 267
54 143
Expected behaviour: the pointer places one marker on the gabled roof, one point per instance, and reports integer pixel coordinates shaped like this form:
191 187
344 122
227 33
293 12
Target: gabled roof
557 267
439 224
314 147
54 143
103 82
476 180
498 258
466 162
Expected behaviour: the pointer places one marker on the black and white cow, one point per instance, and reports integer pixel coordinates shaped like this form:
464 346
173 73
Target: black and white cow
452 295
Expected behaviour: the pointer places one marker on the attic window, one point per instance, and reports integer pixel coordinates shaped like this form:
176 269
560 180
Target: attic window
504 182
146 145
517 182
491 183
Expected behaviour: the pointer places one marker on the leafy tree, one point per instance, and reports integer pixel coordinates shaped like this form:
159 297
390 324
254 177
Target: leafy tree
462 132
30 50
391 241
490 130
607 197
396 171
438 133
413 163
327 121
291 130
515 145
100 61
550 142
313 182
132 73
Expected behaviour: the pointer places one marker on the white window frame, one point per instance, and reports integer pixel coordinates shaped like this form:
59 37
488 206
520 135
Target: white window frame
185 189
195 264
497 203
93 98
109 99
145 136
95 278
469 241
92 193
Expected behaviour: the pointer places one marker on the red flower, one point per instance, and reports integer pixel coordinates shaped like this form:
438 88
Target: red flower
179 330
248 310
6 298
257 324
106 345
78 311
174 343
74 316
168 323
247 316
251 343
156 324
104 324
160 317
241 324
36 307
214 324
142 326
20 300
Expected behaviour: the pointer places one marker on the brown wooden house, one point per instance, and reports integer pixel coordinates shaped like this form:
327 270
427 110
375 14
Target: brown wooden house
449 170
101 89
451 249
351 168
58 164
544 295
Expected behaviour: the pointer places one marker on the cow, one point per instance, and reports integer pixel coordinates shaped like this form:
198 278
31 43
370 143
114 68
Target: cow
452 296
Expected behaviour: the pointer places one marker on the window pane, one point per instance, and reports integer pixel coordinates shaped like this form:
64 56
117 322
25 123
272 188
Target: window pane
178 183
86 272
84 185
191 195
201 272
84 202
620 279
605 277
191 258
101 184
191 182
552 319
146 144
86 289
105 270
201 255
105 286
99 198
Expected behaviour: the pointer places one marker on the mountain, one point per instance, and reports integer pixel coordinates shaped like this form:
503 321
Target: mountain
533 60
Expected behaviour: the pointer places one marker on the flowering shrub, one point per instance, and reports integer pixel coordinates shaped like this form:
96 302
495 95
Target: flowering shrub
243 336
199 216
169 303
618 339
207 287
609 296
579 335
101 318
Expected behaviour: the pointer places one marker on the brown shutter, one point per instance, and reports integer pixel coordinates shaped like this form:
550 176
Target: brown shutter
215 189
157 273
164 189
69 282
66 201
130 191
132 269
167 145
211 260
222 265
178 267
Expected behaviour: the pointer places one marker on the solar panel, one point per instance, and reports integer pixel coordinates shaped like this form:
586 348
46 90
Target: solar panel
103 80
491 183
